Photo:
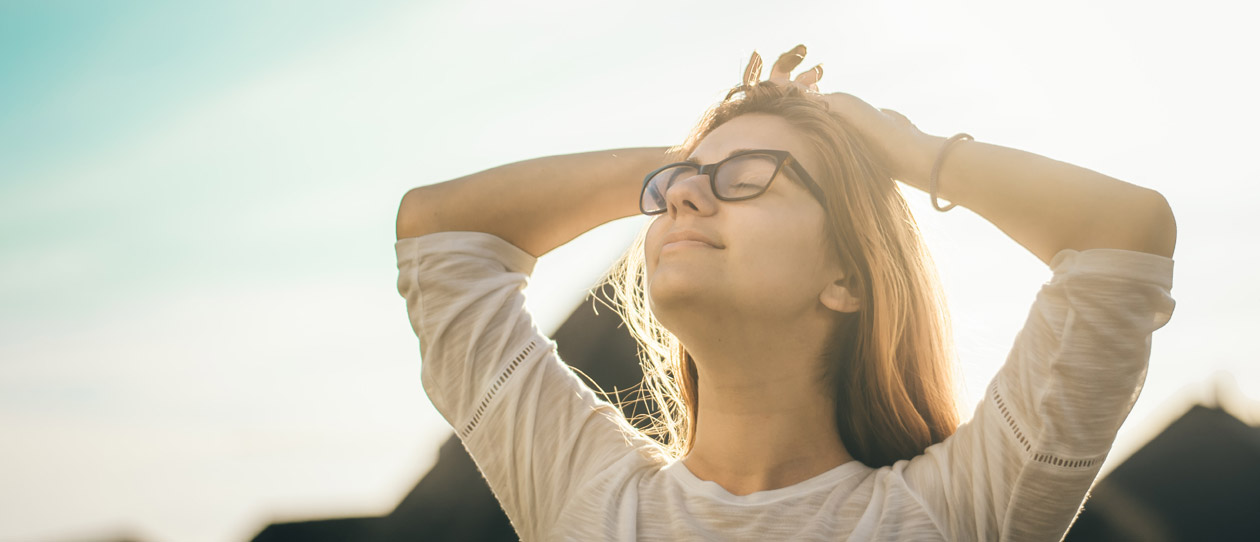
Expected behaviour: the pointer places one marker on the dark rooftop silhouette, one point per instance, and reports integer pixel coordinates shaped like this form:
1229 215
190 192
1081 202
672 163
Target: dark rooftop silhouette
1198 480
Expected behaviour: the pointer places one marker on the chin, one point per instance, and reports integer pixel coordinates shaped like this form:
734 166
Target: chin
669 292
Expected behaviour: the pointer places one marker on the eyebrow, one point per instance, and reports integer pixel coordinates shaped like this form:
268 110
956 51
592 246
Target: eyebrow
692 159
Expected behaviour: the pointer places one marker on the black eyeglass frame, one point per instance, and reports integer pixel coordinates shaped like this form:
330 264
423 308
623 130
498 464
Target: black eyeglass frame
711 171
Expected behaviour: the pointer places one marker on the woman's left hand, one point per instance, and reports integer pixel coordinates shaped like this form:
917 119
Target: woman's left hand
906 150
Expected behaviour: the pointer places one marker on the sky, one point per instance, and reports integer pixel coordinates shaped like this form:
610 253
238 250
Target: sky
200 330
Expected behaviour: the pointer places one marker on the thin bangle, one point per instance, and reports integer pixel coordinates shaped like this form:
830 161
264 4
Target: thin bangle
936 169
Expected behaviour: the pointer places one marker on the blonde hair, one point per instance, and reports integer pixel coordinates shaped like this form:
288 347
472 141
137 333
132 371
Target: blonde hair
890 364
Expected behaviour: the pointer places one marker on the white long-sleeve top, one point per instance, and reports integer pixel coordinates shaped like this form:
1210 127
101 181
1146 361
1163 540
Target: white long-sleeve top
566 465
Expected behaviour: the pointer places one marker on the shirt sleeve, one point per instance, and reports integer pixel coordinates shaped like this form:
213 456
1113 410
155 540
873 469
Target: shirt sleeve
533 428
1021 468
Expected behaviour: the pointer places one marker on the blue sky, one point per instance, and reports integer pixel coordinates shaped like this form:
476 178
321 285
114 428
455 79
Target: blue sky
197 276
83 73
88 80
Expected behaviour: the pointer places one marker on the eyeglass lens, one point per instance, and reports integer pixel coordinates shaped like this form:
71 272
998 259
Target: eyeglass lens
741 177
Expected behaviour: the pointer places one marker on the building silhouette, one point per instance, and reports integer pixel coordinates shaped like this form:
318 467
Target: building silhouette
1197 480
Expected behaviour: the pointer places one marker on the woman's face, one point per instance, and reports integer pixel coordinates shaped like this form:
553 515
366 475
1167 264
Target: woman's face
769 257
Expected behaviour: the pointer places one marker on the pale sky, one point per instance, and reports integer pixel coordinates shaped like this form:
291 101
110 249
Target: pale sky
200 330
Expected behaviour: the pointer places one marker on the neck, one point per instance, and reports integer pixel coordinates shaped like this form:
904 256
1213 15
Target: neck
765 419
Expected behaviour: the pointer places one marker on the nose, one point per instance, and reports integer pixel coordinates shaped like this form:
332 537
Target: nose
693 194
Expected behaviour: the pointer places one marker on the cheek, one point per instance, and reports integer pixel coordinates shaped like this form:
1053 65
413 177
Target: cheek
777 261
651 244
789 257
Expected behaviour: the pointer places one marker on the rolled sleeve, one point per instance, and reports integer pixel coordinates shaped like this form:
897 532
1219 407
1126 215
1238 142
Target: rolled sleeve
1021 467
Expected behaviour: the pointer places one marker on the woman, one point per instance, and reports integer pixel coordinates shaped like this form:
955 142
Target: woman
794 331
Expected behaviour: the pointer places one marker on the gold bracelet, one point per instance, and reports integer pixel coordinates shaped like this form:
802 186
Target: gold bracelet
936 170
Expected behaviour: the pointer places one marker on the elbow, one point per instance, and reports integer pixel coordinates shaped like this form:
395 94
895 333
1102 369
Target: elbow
416 216
1160 231
1140 222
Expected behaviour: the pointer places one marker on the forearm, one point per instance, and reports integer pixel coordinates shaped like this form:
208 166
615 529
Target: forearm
1047 205
536 204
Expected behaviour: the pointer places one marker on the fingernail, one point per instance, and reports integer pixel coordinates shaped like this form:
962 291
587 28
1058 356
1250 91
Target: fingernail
819 68
801 47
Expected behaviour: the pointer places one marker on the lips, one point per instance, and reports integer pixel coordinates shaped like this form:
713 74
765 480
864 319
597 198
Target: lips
689 235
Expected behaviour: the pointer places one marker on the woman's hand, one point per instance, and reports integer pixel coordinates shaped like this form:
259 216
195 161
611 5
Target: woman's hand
781 71
907 151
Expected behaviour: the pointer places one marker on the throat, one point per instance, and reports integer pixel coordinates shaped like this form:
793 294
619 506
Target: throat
743 479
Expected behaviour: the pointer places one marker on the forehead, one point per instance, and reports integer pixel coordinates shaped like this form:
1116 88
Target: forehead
752 131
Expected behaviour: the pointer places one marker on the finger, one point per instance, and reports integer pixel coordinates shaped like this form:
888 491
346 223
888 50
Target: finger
894 114
897 116
810 76
752 73
782 69
781 72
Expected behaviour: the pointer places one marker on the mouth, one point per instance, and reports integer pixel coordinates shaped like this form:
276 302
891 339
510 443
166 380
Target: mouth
687 237
685 243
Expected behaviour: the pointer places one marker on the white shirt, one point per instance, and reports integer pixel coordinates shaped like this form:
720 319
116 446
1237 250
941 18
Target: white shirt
566 465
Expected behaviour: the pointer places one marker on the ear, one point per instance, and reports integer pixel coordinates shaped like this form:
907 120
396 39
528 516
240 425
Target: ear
836 296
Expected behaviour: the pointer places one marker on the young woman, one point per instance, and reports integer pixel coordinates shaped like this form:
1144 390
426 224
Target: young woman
793 330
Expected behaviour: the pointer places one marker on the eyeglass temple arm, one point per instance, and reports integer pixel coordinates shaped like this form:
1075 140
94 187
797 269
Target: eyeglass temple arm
809 181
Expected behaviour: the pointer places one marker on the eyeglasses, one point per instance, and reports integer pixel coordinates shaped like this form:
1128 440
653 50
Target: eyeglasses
743 175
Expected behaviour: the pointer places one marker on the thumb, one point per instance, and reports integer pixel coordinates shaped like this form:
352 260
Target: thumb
894 114
897 116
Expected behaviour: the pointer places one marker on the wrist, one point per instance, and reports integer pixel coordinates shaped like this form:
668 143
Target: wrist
925 151
934 181
630 165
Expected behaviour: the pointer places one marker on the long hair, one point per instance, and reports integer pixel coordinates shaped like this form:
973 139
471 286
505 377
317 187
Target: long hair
890 365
